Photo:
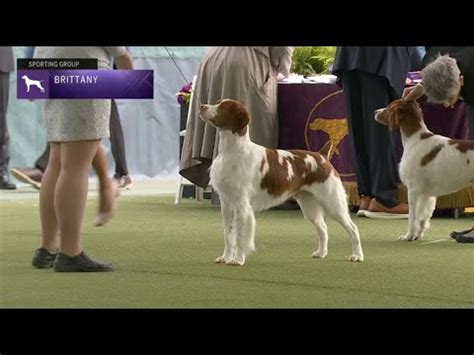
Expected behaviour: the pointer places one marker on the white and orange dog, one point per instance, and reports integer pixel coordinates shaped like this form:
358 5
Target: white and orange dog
431 165
251 178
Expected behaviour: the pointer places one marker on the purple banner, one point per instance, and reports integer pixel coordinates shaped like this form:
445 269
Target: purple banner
85 84
309 116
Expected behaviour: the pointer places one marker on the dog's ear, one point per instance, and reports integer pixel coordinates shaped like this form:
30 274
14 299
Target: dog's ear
394 120
241 119
415 94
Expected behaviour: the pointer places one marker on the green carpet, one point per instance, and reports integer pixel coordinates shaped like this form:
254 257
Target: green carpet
164 258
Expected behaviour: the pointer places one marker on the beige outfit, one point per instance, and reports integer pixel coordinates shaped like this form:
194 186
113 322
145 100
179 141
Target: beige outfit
78 120
246 74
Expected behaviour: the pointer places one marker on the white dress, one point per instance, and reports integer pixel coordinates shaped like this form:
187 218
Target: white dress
70 120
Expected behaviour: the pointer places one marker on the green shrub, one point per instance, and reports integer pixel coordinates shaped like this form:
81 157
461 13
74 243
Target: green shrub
312 60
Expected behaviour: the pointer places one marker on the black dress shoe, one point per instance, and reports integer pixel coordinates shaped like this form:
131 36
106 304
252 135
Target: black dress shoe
7 185
464 239
43 258
80 263
454 235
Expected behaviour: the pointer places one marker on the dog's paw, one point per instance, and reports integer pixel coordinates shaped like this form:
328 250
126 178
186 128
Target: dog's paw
355 258
407 238
220 260
319 254
235 262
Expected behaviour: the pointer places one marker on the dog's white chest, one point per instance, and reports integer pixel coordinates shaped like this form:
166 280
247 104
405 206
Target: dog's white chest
233 177
225 173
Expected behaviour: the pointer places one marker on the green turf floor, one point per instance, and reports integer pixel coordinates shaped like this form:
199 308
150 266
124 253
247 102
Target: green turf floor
164 258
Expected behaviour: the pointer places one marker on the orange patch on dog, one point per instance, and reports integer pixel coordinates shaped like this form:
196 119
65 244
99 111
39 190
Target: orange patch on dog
276 180
462 145
426 135
431 155
406 115
233 116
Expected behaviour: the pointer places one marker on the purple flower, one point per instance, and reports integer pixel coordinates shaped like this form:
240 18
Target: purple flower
184 96
187 88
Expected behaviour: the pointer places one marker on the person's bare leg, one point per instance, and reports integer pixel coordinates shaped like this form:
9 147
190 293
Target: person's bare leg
108 188
49 222
100 166
70 194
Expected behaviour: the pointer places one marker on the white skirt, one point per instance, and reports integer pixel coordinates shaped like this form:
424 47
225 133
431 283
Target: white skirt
71 120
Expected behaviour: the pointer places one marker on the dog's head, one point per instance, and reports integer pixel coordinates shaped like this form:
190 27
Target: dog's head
228 115
403 113
24 77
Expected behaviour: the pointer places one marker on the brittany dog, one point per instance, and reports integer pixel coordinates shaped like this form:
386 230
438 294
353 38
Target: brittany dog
431 165
250 178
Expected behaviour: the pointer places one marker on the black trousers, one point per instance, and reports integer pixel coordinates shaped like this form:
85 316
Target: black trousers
470 116
4 136
117 145
372 144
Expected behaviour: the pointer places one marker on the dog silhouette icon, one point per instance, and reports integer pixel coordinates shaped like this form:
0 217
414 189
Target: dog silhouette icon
29 82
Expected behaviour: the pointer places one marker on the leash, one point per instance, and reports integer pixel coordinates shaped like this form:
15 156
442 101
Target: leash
176 65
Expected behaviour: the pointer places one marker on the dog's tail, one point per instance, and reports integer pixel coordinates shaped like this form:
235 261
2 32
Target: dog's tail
325 151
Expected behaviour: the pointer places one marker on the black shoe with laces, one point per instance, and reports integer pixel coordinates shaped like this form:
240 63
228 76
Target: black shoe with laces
80 263
43 258
6 184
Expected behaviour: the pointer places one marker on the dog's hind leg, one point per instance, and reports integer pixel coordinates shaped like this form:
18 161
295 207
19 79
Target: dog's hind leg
313 212
344 219
337 208
228 218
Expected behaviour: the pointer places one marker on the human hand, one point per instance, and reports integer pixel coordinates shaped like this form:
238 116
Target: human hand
125 61
408 90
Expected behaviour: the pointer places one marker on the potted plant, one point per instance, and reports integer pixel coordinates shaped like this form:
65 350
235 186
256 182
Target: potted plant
309 61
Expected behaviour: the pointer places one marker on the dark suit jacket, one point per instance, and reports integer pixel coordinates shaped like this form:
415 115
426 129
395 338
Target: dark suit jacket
6 60
465 58
392 63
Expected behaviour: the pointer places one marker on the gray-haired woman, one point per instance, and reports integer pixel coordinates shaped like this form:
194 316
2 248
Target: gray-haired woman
448 76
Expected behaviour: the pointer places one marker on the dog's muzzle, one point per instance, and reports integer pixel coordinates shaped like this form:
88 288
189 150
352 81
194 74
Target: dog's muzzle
377 114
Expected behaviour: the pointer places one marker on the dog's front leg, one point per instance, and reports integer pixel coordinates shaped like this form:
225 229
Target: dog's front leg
424 210
228 218
245 228
412 231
